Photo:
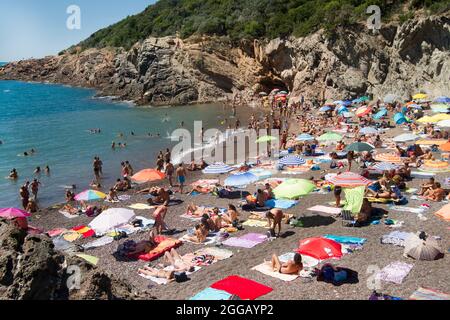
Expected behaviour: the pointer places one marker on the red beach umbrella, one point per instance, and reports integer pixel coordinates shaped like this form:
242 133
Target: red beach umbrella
320 248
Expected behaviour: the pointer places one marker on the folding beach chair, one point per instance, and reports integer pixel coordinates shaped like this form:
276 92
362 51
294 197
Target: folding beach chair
347 218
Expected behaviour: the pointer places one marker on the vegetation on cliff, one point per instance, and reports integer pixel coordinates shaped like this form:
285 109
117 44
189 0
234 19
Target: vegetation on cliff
249 19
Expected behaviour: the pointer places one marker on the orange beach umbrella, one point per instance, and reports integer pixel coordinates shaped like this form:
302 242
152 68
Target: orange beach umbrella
148 175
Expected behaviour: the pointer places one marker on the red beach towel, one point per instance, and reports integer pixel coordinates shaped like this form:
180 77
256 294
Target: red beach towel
242 287
85 231
164 244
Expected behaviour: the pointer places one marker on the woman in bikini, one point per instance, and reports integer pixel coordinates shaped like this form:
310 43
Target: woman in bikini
200 234
291 267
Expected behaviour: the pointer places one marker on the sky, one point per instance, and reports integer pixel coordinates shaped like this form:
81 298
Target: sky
37 28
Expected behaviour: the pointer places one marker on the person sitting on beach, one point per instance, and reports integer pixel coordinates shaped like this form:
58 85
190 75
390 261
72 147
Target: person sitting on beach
144 246
231 217
32 206
95 185
70 196
428 155
192 166
126 183
159 215
37 171
425 187
213 223
291 267
70 209
162 197
200 234
366 211
112 195
260 198
337 195
274 217
405 171
119 186
436 193
268 191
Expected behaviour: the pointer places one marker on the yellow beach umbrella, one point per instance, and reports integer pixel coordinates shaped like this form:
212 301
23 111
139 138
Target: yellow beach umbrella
426 119
440 117
435 166
419 96
431 142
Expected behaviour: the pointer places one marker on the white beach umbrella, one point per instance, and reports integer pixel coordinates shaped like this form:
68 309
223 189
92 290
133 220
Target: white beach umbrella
111 218
406 137
444 124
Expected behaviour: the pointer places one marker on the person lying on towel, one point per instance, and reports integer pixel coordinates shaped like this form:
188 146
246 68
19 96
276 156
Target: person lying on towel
162 197
173 259
291 267
144 246
197 211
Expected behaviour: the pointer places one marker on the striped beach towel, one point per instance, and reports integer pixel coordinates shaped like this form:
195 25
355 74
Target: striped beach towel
429 294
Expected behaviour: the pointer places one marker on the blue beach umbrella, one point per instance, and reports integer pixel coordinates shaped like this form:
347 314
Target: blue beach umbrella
400 118
325 109
292 160
380 114
240 179
442 100
347 103
338 102
368 130
218 168
342 109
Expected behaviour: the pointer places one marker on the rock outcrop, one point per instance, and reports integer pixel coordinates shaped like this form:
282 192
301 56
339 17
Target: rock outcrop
169 71
31 269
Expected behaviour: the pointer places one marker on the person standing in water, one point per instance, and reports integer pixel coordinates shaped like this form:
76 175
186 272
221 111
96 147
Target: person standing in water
96 167
37 171
47 170
181 176
24 195
35 188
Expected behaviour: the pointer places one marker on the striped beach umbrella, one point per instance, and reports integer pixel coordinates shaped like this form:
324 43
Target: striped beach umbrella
383 166
363 111
240 179
330 136
405 137
292 160
388 157
304 137
148 175
217 168
89 195
349 180
368 130
435 166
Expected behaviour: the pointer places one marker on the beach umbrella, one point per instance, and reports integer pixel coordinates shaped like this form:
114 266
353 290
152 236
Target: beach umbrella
263 93
292 160
442 100
11 213
380 114
420 96
420 249
330 136
405 137
368 130
89 195
261 173
444 124
338 102
359 147
435 166
390 98
383 166
348 114
320 248
342 109
293 189
364 98
110 219
346 103
363 111
217 168
440 108
304 137
274 91
388 157
283 92
426 119
325 109
445 147
240 179
400 118
440 117
348 180
148 175
266 139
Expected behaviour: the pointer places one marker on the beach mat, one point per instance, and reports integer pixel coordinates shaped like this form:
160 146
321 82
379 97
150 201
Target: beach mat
141 206
444 212
248 241
68 215
280 203
395 272
91 259
429 294
345 239
325 209
256 223
242 287
266 268
211 294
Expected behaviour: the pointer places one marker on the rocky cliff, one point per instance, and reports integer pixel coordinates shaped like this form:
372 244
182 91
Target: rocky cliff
31 269
401 59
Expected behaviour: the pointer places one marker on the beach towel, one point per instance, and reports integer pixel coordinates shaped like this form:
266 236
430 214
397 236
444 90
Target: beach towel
407 209
397 238
164 244
124 197
145 221
248 241
71 236
255 215
346 239
218 253
68 215
395 272
141 206
307 261
379 200
242 287
211 294
422 175
325 209
56 232
429 294
256 223
86 232
444 212
91 259
354 197
266 268
100 242
208 240
280 203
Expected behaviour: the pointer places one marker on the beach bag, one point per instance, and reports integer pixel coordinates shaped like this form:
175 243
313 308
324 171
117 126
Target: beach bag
180 276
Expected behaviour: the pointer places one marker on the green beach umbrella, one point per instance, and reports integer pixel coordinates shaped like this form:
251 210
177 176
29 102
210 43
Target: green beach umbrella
330 136
293 188
266 139
359 147
364 98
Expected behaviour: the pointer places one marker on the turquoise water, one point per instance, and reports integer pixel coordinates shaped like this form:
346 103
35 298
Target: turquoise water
55 121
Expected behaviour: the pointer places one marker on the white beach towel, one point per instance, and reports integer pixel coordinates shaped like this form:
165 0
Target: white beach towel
266 269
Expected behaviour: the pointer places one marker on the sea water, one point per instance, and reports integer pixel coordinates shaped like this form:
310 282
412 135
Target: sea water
56 120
